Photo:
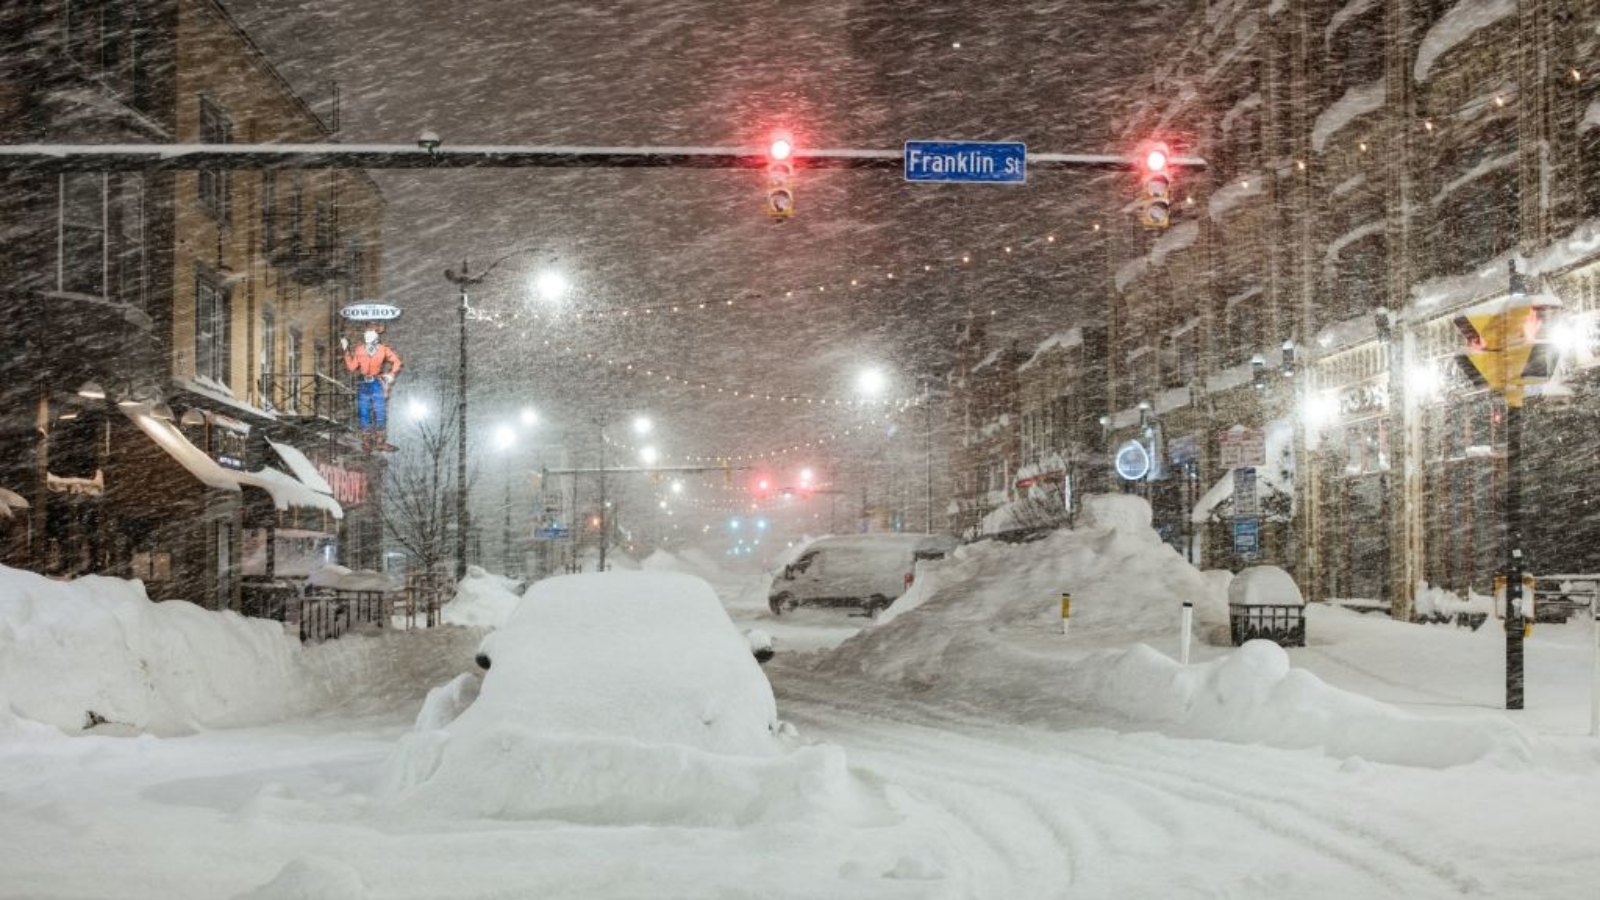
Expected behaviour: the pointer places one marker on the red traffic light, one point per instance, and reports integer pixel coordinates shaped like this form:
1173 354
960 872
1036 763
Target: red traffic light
1156 160
781 148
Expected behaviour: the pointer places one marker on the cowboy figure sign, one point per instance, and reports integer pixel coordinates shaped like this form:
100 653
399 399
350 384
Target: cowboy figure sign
376 365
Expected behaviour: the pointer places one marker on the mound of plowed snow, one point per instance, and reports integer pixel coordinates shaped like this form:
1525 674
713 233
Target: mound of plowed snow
482 600
982 629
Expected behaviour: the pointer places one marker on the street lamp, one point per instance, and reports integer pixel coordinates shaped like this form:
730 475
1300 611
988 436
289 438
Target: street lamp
463 280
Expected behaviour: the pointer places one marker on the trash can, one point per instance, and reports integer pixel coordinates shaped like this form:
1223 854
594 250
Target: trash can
1264 603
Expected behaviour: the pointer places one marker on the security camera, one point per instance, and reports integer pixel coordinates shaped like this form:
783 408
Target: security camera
428 141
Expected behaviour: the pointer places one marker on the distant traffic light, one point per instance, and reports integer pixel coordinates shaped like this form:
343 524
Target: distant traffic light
1155 202
780 177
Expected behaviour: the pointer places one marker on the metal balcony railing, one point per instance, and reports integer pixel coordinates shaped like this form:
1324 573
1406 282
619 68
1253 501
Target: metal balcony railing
316 396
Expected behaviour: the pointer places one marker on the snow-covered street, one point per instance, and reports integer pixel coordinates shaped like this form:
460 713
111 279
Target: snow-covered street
959 746
978 808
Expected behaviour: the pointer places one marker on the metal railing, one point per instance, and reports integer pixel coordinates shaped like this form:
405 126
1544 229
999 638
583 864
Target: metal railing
315 396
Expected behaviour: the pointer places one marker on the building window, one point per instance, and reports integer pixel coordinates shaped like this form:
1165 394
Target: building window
110 61
213 324
140 89
215 186
82 264
269 211
297 341
269 349
130 260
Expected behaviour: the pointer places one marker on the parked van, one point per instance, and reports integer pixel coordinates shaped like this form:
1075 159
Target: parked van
860 571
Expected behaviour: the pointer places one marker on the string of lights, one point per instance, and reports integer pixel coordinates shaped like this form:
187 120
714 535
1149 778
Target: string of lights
645 370
767 455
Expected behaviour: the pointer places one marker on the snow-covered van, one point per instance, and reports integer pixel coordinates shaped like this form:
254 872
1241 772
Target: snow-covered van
861 571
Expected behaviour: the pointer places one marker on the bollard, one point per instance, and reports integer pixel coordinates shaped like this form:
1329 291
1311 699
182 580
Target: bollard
1188 629
1066 610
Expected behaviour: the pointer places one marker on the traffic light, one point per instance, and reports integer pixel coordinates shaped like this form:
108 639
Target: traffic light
1155 201
780 177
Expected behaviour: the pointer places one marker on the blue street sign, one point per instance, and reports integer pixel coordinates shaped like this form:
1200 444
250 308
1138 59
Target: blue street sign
1247 537
552 534
966 161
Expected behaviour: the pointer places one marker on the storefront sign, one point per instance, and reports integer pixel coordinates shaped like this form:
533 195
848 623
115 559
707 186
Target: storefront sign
370 312
349 488
1364 399
1132 461
1240 446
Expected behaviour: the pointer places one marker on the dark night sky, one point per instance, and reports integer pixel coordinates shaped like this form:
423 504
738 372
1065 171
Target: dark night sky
839 74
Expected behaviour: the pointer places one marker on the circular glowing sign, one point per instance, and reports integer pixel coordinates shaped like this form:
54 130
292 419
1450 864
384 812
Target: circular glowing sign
1133 461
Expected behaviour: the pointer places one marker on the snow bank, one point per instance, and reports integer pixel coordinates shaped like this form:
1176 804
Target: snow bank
623 697
100 645
312 878
482 600
1434 601
981 629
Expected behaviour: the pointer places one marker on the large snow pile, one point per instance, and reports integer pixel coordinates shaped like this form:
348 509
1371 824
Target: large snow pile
983 629
482 599
621 697
99 645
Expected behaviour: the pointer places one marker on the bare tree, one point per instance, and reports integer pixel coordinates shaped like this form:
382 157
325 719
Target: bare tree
419 494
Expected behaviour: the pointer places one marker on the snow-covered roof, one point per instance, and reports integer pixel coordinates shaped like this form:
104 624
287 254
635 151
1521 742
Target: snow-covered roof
1489 279
340 578
301 467
1461 22
1356 102
215 390
10 500
1072 337
288 491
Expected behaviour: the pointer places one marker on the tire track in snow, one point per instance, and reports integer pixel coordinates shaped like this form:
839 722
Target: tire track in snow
1118 790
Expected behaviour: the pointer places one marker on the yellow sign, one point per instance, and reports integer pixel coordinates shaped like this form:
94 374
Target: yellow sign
1505 351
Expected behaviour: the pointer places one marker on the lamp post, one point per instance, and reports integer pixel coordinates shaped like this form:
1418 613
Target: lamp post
463 279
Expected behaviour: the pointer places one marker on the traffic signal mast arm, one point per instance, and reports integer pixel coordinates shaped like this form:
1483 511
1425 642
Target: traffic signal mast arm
188 157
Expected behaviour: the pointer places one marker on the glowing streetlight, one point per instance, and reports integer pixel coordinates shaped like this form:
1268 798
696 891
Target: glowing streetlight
642 425
677 487
504 437
649 455
417 410
530 417
551 285
872 382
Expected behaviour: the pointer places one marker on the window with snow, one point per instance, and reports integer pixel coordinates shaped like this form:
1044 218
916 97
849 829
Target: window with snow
82 265
213 307
215 186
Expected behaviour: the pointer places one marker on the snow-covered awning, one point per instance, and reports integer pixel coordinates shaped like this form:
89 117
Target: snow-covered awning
286 490
1277 475
301 467
10 500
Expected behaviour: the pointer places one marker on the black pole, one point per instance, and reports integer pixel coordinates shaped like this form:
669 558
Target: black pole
1512 388
605 521
461 434
1514 560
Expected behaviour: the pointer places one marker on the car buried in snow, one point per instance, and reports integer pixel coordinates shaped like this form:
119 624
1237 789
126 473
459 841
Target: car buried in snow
865 572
